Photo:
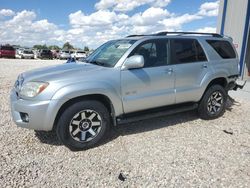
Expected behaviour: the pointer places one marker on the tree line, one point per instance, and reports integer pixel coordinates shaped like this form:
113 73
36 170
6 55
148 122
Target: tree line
66 46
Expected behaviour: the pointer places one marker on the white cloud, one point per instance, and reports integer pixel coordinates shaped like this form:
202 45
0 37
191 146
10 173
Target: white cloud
104 24
43 25
23 17
206 30
99 18
23 29
128 5
209 9
150 16
6 12
104 4
176 22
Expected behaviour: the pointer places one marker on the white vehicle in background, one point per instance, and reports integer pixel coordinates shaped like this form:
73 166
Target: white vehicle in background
17 54
79 54
24 54
64 54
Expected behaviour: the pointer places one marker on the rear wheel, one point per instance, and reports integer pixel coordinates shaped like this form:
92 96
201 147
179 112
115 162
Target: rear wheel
83 125
213 102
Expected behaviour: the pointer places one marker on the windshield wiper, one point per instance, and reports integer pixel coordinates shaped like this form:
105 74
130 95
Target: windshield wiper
97 63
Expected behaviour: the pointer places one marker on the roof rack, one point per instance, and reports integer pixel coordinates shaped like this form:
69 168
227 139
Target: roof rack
163 33
188 33
136 36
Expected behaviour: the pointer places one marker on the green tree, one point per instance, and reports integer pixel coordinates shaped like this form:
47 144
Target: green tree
86 48
68 46
40 47
54 47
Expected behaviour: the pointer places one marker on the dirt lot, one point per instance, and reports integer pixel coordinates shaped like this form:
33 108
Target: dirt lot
175 151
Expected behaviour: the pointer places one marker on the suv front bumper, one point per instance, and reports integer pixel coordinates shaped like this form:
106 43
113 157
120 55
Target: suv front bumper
41 114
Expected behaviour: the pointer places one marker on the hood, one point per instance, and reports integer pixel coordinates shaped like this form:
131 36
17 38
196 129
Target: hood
62 72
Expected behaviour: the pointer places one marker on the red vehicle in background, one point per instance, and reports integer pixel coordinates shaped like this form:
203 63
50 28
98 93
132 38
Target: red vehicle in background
7 51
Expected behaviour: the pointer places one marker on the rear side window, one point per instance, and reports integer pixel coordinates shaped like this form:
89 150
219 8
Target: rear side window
223 48
187 51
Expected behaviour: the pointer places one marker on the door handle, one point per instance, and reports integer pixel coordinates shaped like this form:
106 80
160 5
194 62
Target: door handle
204 66
169 71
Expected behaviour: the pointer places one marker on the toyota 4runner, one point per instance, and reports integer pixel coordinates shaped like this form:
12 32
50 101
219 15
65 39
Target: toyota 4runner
134 78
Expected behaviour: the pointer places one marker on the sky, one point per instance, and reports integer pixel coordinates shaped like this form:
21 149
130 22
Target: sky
93 22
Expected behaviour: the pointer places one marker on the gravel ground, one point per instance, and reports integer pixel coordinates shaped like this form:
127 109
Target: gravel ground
175 151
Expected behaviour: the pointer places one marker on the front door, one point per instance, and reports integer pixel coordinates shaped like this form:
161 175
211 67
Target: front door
150 86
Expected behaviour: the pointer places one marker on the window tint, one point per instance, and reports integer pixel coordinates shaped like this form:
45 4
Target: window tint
27 52
223 48
200 54
154 53
7 48
45 51
188 50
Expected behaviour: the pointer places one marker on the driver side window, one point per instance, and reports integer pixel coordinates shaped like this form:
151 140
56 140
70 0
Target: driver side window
154 53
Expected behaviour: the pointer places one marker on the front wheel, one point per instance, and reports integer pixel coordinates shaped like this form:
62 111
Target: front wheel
83 125
213 103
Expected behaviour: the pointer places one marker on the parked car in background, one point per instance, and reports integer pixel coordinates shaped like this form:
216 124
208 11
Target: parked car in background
64 54
24 54
79 54
17 52
35 53
44 54
55 53
7 51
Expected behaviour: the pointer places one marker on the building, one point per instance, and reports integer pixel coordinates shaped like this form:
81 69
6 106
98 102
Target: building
233 21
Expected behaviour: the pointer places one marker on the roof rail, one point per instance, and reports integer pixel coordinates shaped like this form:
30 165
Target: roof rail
184 33
136 36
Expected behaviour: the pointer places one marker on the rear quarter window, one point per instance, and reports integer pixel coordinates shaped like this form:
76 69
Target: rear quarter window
223 48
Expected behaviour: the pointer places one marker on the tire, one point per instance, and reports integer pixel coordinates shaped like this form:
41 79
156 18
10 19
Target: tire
213 103
76 129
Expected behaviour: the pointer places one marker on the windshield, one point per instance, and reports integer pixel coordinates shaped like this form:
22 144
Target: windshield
27 52
109 53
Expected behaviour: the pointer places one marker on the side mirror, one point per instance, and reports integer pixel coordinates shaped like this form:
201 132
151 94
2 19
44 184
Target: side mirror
133 62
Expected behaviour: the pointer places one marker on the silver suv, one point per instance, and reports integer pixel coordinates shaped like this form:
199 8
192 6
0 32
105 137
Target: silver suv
130 79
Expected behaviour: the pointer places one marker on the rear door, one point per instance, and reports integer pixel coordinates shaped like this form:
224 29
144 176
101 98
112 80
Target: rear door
191 67
150 86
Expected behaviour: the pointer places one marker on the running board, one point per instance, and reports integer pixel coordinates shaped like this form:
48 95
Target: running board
148 114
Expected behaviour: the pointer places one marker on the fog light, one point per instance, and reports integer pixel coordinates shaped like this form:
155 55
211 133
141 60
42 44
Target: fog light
24 117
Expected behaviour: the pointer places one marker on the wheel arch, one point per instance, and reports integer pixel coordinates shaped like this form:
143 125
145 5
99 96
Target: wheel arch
219 81
98 97
222 81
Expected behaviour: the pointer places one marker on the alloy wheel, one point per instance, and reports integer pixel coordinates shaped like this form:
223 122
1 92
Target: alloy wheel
215 102
85 125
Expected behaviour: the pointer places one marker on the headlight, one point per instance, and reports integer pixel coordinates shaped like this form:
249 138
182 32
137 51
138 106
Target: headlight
32 89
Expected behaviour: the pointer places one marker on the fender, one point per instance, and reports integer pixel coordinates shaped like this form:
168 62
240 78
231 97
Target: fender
90 87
